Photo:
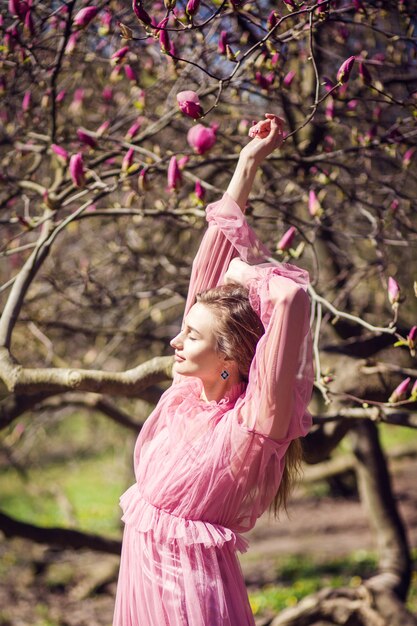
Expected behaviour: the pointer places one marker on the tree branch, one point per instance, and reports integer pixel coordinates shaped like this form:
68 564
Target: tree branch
130 383
63 537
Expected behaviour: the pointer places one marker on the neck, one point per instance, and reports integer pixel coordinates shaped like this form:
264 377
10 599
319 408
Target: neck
216 390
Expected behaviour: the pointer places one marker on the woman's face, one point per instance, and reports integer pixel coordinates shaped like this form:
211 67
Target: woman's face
195 346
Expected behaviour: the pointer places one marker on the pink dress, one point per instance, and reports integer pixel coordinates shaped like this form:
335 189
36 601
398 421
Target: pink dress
205 471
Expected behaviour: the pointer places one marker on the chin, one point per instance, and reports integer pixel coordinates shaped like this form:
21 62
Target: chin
181 370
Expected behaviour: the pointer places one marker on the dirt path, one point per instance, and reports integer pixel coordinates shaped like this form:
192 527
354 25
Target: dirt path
325 528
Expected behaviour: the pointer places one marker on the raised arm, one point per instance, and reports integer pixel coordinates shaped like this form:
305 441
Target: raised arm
281 374
228 234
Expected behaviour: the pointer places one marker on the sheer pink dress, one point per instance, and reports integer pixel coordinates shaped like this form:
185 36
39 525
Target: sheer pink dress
205 471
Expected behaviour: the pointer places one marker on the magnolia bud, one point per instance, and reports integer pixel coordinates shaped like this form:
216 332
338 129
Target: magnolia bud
344 70
286 240
400 391
174 175
76 168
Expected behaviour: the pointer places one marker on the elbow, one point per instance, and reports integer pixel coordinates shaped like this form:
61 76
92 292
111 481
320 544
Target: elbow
289 294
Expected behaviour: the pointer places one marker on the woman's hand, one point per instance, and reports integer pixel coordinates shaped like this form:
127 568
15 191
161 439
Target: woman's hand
267 136
239 272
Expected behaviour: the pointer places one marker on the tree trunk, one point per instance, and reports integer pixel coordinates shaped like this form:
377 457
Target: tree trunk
376 493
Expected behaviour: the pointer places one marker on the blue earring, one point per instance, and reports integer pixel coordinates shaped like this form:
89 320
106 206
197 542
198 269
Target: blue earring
224 374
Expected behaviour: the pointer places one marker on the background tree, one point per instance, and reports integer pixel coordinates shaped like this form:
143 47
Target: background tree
120 123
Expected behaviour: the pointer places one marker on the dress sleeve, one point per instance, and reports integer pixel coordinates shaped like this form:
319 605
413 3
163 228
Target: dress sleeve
228 235
281 374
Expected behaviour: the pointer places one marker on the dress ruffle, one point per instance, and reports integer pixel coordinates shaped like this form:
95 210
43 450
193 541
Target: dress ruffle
167 528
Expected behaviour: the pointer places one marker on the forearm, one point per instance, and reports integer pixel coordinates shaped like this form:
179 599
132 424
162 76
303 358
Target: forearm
242 180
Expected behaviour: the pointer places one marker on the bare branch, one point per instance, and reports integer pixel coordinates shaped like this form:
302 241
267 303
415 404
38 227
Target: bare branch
130 383
62 537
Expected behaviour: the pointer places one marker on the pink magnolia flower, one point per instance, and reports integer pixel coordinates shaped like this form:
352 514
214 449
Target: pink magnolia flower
28 23
134 128
71 43
103 128
323 6
393 291
190 104
84 16
291 5
192 7
107 93
140 12
182 162
408 155
412 338
365 74
200 138
314 206
61 153
14 8
221 47
328 85
199 190
142 182
272 20
286 240
174 174
164 36
130 73
344 70
78 96
27 99
275 59
288 78
115 74
400 391
127 160
86 138
76 169
119 55
105 21
60 96
264 81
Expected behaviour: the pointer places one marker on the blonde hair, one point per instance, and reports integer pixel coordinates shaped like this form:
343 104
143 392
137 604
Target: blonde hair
239 329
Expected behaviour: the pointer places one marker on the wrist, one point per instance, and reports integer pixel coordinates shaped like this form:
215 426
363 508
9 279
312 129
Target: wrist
248 162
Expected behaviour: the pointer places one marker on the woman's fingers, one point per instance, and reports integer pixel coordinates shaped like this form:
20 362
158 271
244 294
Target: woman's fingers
271 127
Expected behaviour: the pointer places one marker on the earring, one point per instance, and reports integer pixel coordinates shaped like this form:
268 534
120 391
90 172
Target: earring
224 374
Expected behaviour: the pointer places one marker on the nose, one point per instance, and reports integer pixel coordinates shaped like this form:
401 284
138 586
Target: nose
176 342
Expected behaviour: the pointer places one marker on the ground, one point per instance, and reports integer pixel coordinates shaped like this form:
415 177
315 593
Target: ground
46 587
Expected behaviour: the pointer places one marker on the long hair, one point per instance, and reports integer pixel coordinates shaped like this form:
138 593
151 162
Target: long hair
238 331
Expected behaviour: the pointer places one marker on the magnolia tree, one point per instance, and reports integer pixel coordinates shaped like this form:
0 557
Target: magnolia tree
120 122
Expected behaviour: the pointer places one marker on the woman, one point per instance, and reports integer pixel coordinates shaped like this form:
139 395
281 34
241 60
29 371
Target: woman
211 457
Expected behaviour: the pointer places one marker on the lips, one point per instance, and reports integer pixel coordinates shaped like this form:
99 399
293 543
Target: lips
179 358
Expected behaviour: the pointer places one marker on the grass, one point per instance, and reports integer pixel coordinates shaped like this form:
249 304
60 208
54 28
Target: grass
80 492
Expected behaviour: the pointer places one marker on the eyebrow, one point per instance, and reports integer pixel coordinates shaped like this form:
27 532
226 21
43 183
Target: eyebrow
193 329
